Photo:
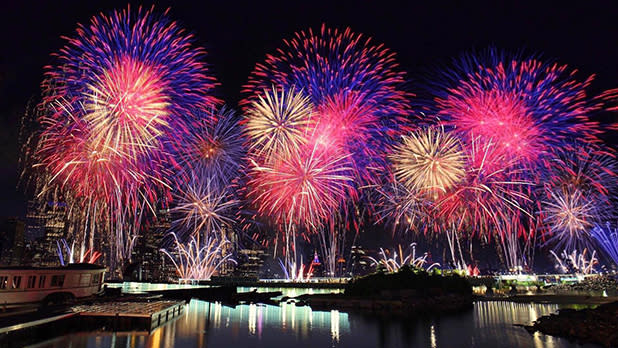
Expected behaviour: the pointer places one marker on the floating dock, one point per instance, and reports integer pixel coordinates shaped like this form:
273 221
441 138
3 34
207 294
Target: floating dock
128 316
113 316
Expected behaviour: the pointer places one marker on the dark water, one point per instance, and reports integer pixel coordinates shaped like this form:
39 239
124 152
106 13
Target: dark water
489 324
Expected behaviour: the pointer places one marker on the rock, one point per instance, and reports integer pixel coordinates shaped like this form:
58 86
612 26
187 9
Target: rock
599 325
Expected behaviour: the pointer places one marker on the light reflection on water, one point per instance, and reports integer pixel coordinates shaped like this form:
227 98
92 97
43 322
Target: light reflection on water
203 324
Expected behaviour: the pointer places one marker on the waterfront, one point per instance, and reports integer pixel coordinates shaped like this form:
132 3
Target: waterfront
203 324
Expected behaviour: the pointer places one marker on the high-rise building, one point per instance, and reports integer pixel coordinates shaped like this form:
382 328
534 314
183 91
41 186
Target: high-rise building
45 227
150 263
360 263
250 262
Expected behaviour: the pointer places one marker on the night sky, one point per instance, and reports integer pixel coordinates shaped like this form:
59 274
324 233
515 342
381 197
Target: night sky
237 36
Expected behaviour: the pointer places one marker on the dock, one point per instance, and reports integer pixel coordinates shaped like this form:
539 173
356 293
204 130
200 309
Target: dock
122 316
113 316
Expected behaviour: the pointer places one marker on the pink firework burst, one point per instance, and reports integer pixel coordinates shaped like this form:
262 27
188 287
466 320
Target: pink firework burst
525 107
500 117
127 109
301 187
354 85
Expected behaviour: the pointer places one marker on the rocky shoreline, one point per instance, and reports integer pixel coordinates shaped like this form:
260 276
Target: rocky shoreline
598 325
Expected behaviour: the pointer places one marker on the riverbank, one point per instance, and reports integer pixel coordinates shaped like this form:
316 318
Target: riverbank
598 325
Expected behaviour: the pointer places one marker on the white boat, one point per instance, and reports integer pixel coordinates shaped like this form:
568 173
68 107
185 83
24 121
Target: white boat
21 286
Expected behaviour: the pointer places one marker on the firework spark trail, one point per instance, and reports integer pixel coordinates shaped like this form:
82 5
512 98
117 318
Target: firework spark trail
400 207
576 261
527 107
197 261
398 260
332 237
86 256
592 168
120 90
203 208
517 246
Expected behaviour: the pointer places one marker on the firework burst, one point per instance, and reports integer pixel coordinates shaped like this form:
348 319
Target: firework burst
279 121
569 215
120 90
526 107
578 193
133 64
487 198
353 84
429 160
213 148
332 62
301 188
203 207
400 207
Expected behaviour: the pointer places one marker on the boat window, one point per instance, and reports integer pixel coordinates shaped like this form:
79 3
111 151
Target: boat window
41 282
96 279
31 282
57 280
16 282
84 279
3 281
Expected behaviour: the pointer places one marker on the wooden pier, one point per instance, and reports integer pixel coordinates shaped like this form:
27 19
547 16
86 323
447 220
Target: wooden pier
108 316
124 316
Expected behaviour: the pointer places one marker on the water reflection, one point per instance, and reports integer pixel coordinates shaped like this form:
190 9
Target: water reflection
488 324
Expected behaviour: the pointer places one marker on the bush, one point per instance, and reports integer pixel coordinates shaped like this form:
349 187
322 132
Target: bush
423 283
